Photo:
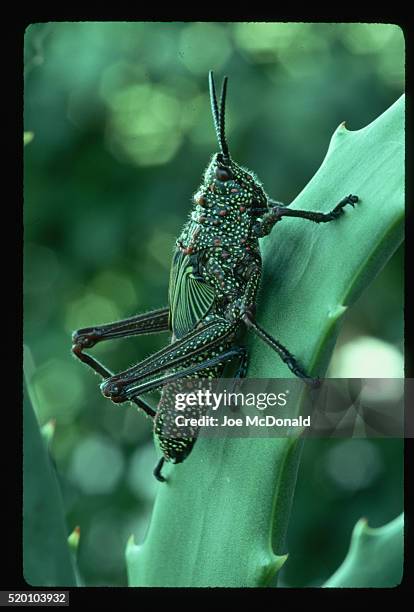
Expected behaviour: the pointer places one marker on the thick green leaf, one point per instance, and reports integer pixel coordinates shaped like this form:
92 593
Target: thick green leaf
375 557
46 555
221 519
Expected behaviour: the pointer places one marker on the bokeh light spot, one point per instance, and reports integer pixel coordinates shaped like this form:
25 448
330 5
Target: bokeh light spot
353 464
204 46
57 390
115 284
96 465
118 76
90 309
145 123
367 357
267 39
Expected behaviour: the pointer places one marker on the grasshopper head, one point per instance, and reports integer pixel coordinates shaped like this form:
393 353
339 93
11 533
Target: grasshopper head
223 175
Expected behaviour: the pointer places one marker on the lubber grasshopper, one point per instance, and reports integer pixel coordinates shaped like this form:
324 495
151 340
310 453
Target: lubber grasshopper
215 275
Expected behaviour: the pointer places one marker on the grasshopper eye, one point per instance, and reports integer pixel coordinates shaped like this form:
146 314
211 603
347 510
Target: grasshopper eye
223 174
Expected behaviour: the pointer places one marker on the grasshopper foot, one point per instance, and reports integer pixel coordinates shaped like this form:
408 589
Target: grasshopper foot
339 208
157 471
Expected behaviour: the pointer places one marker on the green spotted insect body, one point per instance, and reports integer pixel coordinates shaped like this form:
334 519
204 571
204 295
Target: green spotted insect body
215 276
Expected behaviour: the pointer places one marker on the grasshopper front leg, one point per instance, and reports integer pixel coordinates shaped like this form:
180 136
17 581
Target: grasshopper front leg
264 226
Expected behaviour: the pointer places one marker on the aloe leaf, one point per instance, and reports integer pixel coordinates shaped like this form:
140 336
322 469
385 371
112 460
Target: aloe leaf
375 557
46 555
222 517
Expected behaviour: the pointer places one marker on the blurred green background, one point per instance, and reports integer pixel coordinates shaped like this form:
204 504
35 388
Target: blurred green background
121 132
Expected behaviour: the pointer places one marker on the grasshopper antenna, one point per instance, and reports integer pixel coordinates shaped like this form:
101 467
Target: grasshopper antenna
219 116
